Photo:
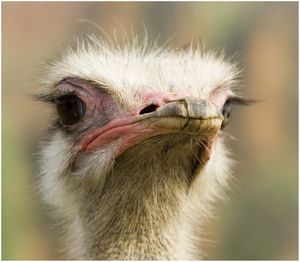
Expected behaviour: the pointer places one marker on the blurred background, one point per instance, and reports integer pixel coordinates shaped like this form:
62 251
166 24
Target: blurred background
261 220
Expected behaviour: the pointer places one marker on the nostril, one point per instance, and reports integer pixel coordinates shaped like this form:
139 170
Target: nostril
149 109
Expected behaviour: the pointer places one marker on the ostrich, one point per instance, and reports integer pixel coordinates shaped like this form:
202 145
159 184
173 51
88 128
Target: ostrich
136 157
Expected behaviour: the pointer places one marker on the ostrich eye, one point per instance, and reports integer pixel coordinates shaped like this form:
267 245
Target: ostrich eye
70 109
226 112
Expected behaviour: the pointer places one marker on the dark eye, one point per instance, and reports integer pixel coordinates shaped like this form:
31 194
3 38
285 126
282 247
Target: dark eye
70 108
226 112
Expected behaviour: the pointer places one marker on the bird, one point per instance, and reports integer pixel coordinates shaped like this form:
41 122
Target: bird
135 158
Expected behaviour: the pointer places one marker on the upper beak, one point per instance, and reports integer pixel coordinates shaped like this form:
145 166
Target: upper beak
190 108
188 115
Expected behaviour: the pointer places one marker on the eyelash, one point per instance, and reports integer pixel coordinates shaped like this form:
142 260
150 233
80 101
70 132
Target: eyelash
55 96
237 100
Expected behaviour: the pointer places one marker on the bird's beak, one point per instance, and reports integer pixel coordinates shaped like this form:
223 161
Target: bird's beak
189 115
186 116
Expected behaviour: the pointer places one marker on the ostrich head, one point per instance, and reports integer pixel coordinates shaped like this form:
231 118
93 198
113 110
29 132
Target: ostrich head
136 157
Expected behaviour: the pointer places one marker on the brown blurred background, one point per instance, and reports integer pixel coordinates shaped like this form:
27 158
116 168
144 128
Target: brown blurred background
261 220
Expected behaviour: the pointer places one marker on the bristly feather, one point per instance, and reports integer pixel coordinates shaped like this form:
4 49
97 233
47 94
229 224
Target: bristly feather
129 66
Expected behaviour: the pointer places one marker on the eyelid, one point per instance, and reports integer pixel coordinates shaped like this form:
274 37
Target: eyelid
52 97
63 88
79 84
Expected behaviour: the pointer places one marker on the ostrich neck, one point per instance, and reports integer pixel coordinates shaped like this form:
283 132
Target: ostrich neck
137 215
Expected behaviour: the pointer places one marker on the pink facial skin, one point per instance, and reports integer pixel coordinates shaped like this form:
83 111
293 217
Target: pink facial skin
129 130
159 99
209 148
128 135
125 129
219 96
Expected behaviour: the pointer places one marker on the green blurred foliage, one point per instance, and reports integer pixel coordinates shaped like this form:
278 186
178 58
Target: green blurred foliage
261 220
